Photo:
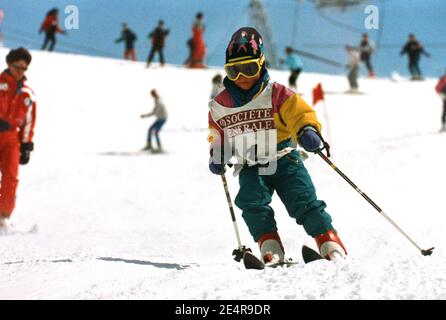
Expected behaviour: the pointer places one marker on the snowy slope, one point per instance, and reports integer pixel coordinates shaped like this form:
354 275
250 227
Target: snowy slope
158 227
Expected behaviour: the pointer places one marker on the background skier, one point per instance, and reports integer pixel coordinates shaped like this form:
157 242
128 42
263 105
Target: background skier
129 38
366 48
414 49
50 26
199 47
158 37
295 65
250 106
217 85
441 90
160 113
353 67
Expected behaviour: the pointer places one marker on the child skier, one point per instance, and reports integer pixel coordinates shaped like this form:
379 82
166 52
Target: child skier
17 119
161 117
243 119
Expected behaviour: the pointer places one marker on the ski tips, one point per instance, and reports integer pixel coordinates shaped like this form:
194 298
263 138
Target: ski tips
427 252
310 255
250 261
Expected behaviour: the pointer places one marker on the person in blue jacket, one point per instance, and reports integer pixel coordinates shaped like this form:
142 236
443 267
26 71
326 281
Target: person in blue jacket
295 65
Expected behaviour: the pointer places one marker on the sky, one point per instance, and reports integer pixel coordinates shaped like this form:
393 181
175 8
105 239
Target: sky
322 32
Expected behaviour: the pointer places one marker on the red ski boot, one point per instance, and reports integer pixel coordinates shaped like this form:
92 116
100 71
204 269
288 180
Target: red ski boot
271 248
330 246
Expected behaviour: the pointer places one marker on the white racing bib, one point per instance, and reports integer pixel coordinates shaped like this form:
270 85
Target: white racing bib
249 130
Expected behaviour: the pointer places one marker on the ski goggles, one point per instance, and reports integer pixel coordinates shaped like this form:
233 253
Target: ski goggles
248 68
19 67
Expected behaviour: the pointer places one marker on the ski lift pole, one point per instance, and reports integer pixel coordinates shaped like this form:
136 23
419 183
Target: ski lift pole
237 253
319 58
424 252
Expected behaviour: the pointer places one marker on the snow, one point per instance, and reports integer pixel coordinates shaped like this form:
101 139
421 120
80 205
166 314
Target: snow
158 226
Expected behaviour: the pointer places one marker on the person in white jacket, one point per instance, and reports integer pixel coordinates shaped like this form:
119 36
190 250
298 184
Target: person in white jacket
160 113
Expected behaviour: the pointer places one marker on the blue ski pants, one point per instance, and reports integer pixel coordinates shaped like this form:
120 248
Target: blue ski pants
295 189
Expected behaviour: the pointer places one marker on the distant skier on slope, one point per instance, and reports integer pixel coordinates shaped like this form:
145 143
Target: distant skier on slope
295 65
441 90
190 46
353 67
414 49
158 37
366 48
199 47
17 119
217 85
129 38
258 119
51 26
160 113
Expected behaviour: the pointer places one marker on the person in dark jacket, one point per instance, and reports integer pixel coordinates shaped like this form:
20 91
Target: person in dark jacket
414 50
129 37
190 45
50 26
158 37
366 48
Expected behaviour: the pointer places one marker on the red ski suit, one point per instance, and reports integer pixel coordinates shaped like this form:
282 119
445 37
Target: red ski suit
18 108
50 22
199 52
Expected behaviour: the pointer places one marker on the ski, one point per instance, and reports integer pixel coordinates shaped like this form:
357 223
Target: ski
250 261
310 255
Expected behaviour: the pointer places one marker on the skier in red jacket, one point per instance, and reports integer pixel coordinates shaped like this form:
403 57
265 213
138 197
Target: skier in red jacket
17 119
51 26
441 90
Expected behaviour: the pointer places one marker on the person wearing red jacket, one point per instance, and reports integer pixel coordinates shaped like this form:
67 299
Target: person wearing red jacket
199 47
17 120
50 26
441 90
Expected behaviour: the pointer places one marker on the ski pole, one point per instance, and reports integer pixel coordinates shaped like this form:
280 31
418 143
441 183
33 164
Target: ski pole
424 252
237 253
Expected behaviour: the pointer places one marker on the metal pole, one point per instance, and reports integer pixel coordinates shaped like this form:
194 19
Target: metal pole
231 210
237 253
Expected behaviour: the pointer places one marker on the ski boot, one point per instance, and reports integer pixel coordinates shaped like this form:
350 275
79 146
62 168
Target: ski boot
4 227
271 248
330 246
